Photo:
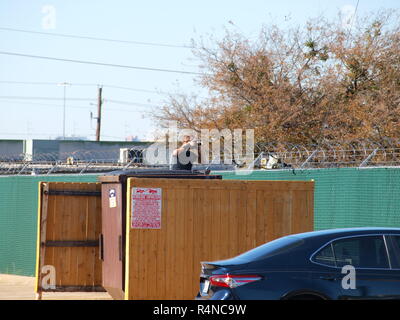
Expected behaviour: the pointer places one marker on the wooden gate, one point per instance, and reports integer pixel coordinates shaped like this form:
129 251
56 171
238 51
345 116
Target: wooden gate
206 220
113 239
69 225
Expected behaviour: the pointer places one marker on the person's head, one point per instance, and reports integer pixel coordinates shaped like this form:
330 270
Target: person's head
186 139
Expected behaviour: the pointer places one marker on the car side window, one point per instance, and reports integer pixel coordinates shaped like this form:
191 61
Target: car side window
325 256
397 241
395 255
361 252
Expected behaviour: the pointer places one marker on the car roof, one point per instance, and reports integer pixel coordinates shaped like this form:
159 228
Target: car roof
312 241
347 232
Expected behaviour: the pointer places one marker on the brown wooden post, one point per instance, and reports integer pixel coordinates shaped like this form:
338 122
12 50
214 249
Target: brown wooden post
42 239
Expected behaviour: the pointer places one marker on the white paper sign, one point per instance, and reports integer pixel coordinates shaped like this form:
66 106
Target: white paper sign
146 208
112 197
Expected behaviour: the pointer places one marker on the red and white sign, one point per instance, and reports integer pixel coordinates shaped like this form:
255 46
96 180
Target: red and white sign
146 208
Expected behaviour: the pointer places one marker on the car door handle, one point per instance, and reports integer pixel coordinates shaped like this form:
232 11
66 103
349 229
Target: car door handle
328 278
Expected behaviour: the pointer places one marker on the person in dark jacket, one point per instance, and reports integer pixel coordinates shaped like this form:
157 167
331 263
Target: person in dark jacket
182 157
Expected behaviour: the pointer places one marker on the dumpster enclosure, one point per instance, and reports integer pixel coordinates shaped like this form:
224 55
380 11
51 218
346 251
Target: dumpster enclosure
143 236
205 220
114 204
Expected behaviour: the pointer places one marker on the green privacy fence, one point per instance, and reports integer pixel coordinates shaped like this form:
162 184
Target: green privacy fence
345 197
18 220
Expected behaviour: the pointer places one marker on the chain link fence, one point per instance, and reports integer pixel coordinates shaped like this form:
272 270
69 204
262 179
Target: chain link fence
359 153
79 161
270 155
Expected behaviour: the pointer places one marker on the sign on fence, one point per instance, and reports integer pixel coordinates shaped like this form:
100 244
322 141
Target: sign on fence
146 208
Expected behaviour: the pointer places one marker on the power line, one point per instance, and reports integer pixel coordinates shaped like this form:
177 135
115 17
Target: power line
74 107
97 63
352 20
28 82
34 133
43 104
79 99
155 44
48 83
44 98
354 15
123 110
91 85
83 84
355 11
134 89
131 103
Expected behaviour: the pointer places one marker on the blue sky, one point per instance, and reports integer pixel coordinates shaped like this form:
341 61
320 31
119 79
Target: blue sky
166 22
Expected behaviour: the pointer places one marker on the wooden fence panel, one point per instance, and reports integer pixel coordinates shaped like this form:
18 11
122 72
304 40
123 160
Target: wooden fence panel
69 227
206 220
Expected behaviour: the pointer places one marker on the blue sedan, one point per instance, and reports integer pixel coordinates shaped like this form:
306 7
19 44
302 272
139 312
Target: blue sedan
353 263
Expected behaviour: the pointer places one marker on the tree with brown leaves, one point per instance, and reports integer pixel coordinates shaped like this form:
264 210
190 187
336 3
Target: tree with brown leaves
314 84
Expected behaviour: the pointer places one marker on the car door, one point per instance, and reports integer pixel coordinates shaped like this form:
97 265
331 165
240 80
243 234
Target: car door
394 250
326 277
366 256
393 243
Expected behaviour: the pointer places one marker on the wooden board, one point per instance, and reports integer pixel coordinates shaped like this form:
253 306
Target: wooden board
113 232
206 220
69 225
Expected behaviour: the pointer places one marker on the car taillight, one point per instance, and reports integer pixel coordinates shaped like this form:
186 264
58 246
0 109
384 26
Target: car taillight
232 281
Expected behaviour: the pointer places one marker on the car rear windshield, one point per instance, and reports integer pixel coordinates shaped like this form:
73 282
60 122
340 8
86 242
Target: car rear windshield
272 248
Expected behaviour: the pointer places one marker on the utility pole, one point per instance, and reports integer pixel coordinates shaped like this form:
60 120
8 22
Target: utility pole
64 84
99 103
65 89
